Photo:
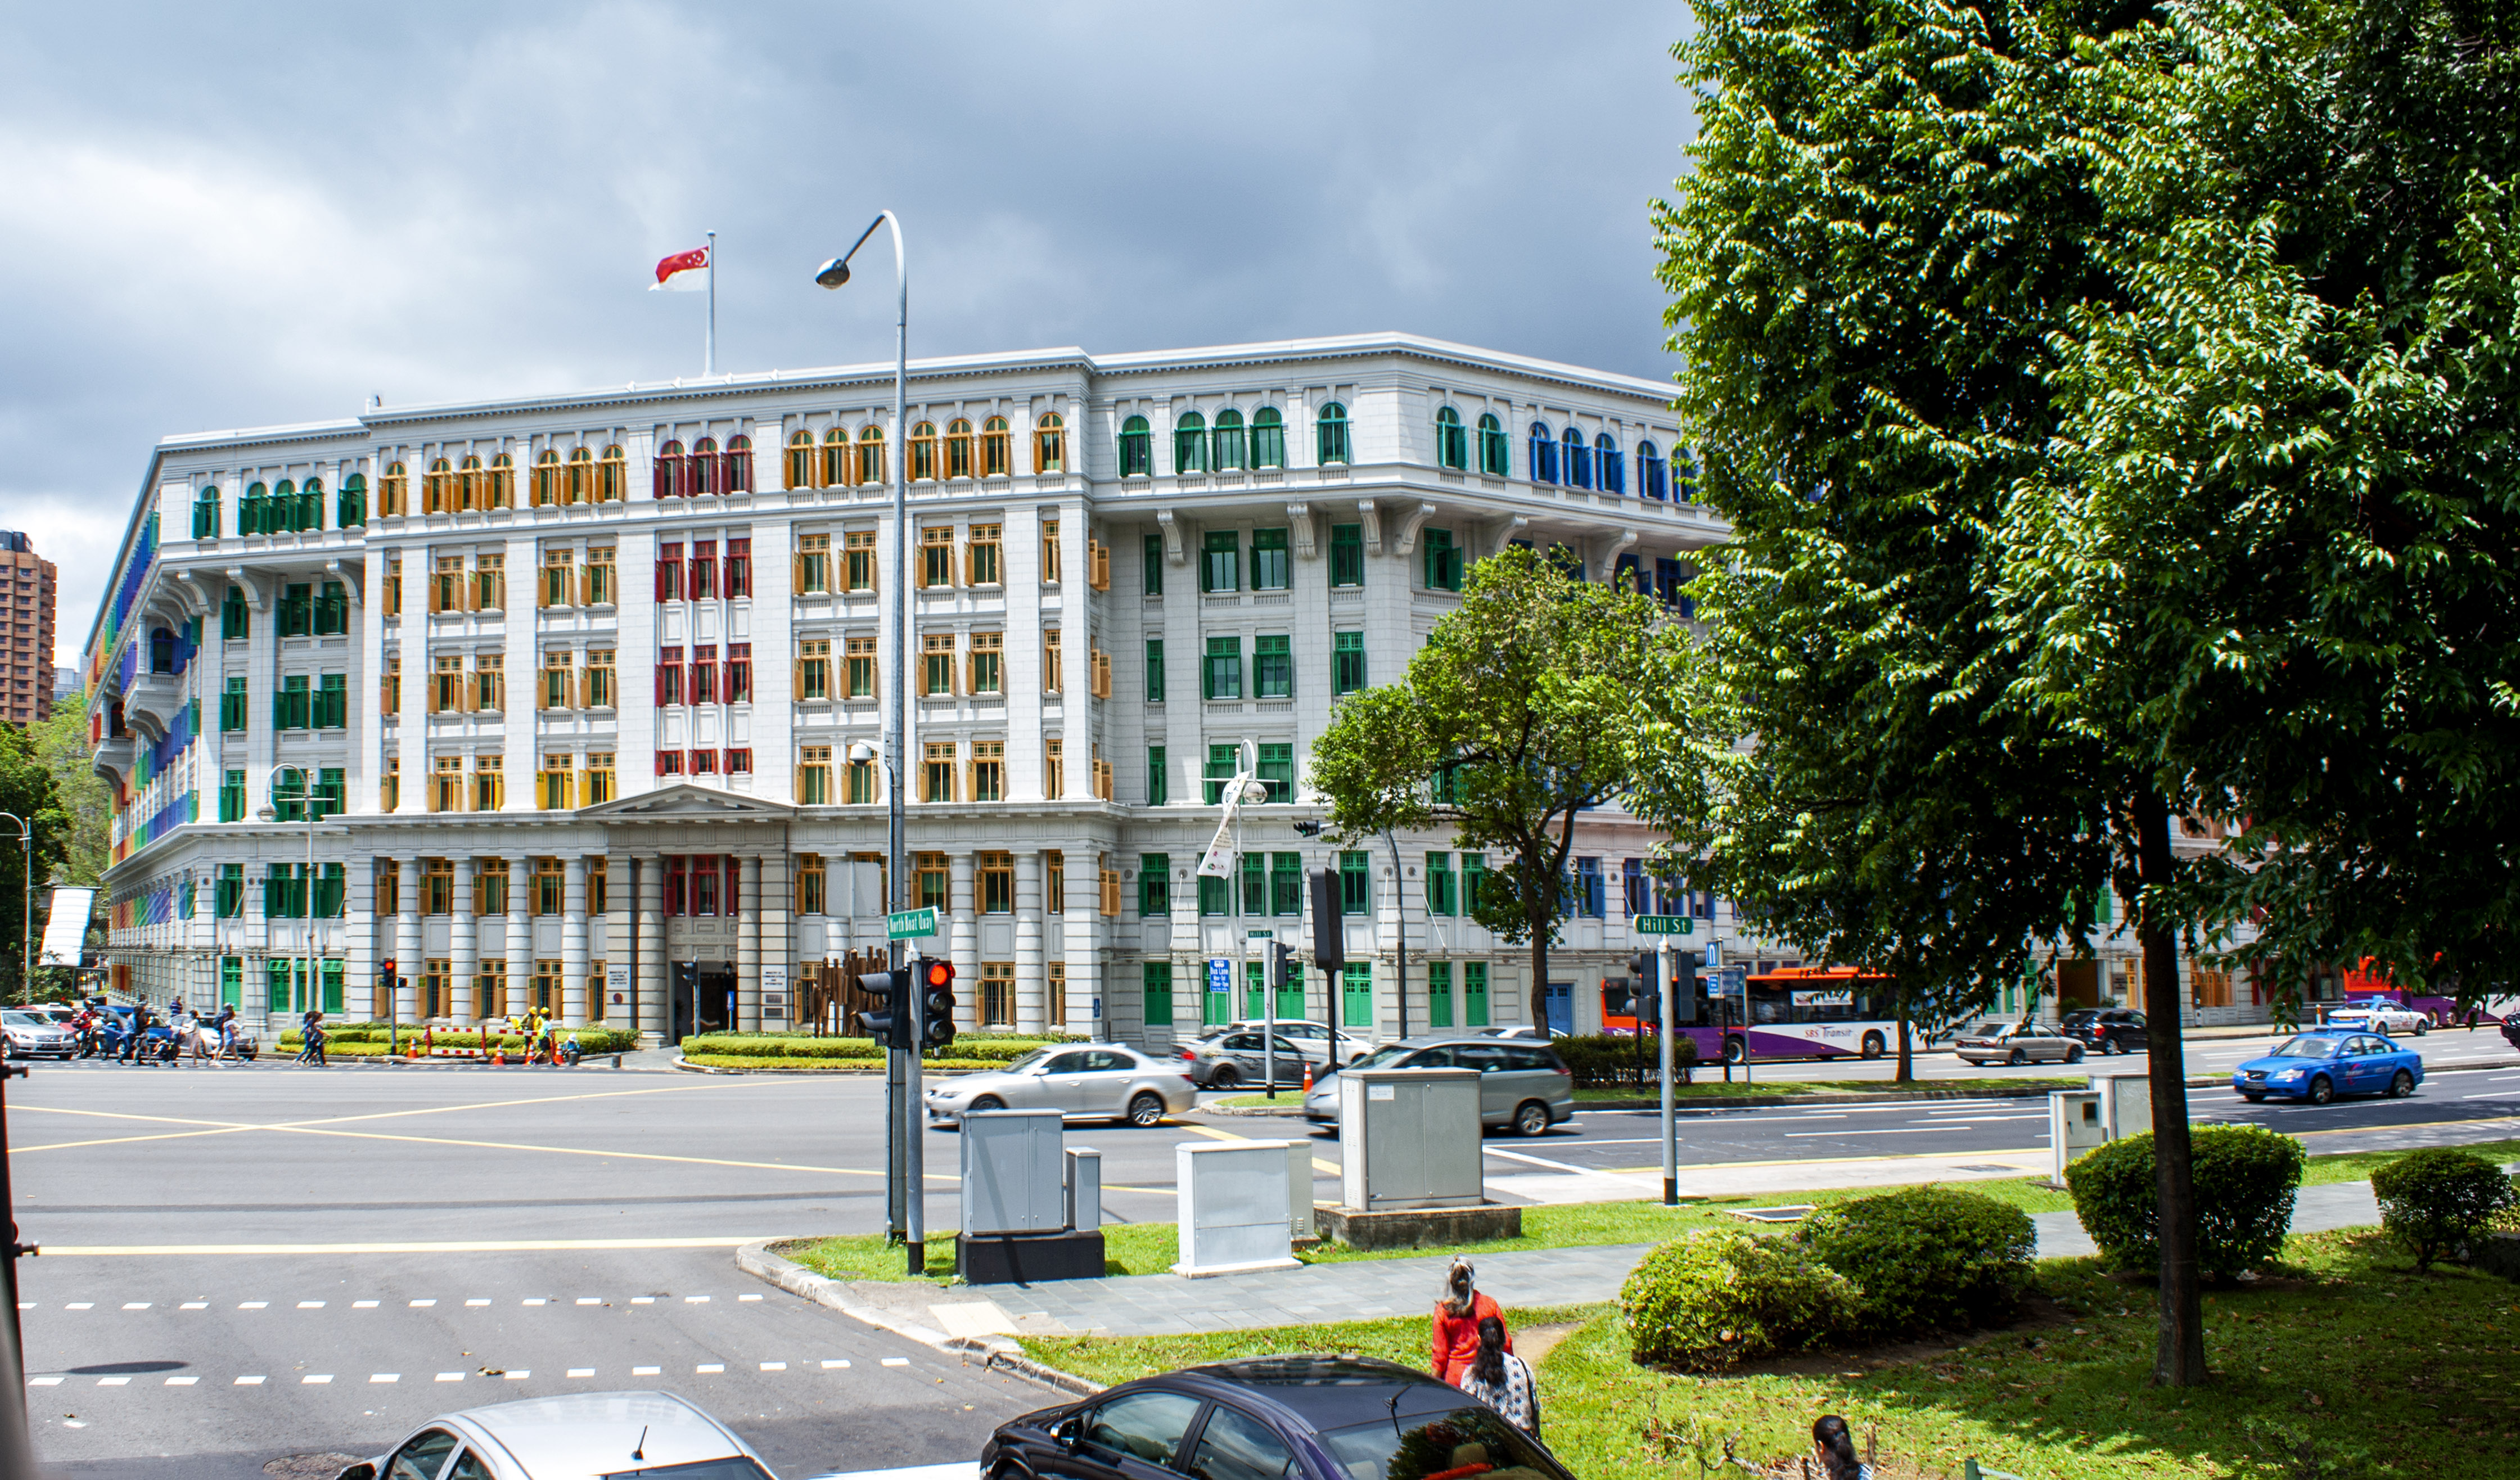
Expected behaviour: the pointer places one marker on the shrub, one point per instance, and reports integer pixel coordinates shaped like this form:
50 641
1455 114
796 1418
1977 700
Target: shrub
1603 1060
2433 1201
1707 1302
2245 1177
1926 1257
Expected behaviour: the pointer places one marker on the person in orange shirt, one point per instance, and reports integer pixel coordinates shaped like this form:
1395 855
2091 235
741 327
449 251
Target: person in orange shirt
1458 1313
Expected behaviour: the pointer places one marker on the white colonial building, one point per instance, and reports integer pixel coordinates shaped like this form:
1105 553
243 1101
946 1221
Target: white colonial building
576 680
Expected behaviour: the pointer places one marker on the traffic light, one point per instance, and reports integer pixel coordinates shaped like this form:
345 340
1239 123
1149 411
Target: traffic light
936 977
894 1026
1329 924
1646 967
1281 965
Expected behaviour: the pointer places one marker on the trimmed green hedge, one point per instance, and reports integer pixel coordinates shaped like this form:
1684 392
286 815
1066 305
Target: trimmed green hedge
1603 1060
351 1036
2244 1178
976 1048
1926 1257
1710 1301
2433 1201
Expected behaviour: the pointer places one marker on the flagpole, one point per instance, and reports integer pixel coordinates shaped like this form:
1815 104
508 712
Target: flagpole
709 352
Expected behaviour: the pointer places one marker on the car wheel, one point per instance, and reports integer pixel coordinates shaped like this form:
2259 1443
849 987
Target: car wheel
1146 1110
2258 1099
1531 1118
1226 1079
2322 1091
2074 1054
1735 1050
2017 1057
2422 1028
1873 1046
988 1103
2402 1085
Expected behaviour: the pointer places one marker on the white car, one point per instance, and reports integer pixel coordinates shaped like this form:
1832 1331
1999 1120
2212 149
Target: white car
2380 1016
575 1437
28 1034
1313 1037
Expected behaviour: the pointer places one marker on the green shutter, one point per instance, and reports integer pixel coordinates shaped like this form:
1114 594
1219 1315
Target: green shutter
1158 979
1439 994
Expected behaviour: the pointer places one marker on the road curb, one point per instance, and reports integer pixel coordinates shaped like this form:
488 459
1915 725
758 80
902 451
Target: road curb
689 1067
999 1352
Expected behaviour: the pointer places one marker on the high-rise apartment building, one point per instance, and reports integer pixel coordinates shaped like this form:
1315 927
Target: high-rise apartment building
30 589
584 687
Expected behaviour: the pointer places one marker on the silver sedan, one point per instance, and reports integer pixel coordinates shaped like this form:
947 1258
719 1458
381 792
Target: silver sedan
572 1436
1096 1081
1996 1041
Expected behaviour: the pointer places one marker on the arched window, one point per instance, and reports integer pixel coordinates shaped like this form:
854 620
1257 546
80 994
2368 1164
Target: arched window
1137 449
736 466
280 511
702 465
1267 438
669 471
957 449
1049 444
612 477
870 453
1452 439
1649 472
502 489
923 453
800 460
1230 450
250 509
1579 460
546 479
1605 456
437 487
1190 444
1544 454
310 504
353 502
837 464
1330 434
396 492
997 450
1496 449
1683 476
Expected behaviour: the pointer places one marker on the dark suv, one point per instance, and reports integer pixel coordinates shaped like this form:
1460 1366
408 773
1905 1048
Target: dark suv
2108 1030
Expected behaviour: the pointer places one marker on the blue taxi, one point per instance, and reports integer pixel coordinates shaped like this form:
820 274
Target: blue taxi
2320 1067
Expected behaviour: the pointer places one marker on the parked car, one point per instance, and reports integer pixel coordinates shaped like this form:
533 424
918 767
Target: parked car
2320 1067
575 1436
1099 1081
27 1034
1272 1418
1320 1042
1230 1061
1522 1086
2108 1030
2377 1015
1994 1041
1523 1030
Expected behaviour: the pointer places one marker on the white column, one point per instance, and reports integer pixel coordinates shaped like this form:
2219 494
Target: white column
747 947
518 725
1029 989
964 940
359 929
1083 946
519 946
778 914
573 942
655 1011
464 956
406 962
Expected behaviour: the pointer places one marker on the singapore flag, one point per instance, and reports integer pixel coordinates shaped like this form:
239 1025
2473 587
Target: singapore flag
683 272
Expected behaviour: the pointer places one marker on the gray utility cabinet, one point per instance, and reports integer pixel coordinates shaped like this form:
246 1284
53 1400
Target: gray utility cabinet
1409 1139
1012 1167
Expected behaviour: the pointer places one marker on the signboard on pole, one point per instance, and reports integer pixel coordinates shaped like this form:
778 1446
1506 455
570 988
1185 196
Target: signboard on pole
910 924
1663 924
1220 974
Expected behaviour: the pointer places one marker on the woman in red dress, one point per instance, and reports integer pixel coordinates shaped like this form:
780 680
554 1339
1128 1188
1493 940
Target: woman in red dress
1457 1323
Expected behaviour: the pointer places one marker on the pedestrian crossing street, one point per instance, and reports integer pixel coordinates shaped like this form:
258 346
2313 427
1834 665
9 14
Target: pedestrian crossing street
320 1379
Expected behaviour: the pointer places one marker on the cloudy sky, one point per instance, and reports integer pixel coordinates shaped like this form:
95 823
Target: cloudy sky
244 216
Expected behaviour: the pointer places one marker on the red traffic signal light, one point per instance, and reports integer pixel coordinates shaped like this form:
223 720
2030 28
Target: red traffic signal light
936 1016
940 973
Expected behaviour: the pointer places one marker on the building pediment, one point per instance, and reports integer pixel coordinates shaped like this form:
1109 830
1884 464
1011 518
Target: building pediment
687 803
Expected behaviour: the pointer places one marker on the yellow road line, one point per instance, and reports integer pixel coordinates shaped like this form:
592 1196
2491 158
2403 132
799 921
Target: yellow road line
511 1146
117 1141
1331 1168
461 1246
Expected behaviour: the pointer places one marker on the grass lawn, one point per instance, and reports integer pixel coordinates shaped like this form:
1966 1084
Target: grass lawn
2357 1353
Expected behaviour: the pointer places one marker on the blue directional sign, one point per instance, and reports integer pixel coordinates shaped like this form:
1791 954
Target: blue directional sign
1220 974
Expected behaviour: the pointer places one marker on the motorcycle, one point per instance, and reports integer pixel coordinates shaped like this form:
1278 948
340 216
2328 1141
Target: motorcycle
569 1052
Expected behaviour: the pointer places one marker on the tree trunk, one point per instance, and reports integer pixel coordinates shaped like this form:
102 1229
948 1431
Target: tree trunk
1534 1001
2179 1354
1907 1061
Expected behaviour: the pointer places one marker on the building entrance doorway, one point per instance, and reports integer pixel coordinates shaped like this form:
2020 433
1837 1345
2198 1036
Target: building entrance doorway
704 997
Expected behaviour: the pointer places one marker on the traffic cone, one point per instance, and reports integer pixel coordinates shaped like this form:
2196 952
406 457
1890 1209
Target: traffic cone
1308 1076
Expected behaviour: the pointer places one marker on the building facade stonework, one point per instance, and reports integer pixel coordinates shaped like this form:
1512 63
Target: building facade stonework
574 682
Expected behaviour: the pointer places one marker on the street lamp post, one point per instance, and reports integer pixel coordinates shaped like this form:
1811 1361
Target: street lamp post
305 794
26 906
912 1116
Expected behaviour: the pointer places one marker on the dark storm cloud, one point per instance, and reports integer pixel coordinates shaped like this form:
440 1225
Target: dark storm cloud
224 217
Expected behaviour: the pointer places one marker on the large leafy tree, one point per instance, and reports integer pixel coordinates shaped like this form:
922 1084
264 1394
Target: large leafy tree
25 791
1505 730
1889 225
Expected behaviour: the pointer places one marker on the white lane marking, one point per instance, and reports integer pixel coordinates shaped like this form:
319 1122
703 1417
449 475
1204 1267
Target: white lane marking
828 1364
28 1305
532 1300
710 1366
1537 1162
182 1381
255 1305
196 1305
417 1304
520 1375
135 1305
645 1371
896 1361
774 1367
581 1372
310 1305
43 1382
590 1300
315 1377
384 1377
695 1300
114 1382
747 1297
1893 1130
643 1300
477 1302
2488 1094
80 1305
363 1305
450 1376
247 1382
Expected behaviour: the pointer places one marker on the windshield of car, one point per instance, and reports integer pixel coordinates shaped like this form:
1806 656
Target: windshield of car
1381 1057
1027 1061
2305 1047
1464 1443
24 1019
1989 1028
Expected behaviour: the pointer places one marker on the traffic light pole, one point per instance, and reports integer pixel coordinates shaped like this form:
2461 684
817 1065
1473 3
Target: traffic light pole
1669 972
913 1120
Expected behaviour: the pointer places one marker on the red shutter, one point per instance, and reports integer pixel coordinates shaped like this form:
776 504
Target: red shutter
660 763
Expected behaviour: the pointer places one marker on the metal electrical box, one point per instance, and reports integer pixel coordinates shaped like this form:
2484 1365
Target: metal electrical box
1011 1173
2125 1103
1234 1202
2073 1127
1409 1139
